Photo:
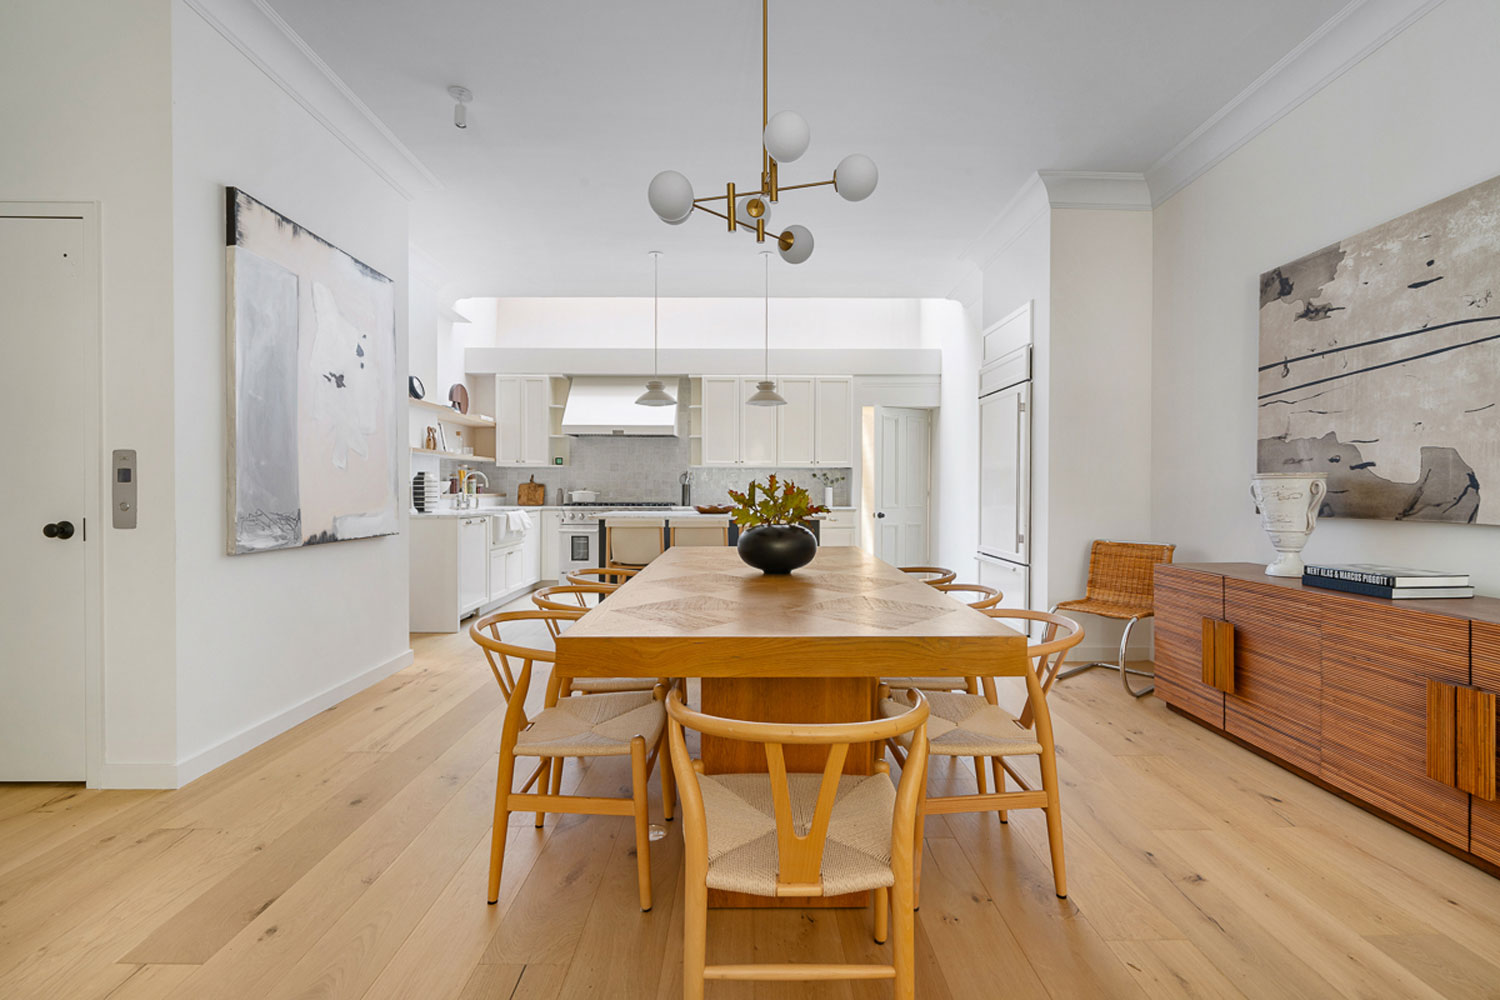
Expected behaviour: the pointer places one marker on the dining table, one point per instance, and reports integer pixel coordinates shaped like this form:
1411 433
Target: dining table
808 647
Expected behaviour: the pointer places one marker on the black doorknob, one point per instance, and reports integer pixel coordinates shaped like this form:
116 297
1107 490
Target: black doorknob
880 513
62 529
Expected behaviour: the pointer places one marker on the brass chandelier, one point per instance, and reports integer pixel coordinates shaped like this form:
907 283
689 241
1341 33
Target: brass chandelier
784 137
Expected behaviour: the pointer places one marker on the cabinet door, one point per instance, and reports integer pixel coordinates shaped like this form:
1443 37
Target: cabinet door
510 420
1377 659
1277 699
757 428
531 555
547 533
499 581
834 423
1183 599
721 421
1485 820
794 437
534 420
1005 473
473 563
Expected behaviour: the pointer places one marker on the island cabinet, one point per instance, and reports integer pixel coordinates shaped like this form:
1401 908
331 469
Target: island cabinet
1392 704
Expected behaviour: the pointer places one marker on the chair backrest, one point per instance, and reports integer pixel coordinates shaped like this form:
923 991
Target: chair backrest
1046 657
700 534
1124 572
799 854
570 598
502 655
932 574
975 595
632 542
612 576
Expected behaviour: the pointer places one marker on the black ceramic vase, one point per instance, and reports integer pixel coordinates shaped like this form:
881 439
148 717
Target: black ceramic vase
777 548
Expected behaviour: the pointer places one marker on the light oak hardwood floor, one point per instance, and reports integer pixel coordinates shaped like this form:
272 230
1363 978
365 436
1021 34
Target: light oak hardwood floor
346 858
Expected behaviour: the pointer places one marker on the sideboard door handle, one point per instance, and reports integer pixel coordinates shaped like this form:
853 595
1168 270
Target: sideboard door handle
1442 703
1218 654
1474 742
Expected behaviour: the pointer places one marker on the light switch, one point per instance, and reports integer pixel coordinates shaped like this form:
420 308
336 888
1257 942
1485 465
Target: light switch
122 487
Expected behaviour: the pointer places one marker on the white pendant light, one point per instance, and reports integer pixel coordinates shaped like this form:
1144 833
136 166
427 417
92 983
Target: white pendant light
765 390
656 390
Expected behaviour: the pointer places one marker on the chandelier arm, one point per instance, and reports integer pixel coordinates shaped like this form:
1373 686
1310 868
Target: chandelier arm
809 184
780 240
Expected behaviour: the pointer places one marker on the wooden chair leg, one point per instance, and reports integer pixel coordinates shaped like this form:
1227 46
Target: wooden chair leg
1054 824
668 779
979 776
916 858
882 914
999 770
638 778
544 782
694 932
557 775
903 948
503 779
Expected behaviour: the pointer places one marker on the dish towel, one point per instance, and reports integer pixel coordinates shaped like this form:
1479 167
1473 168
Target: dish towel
517 521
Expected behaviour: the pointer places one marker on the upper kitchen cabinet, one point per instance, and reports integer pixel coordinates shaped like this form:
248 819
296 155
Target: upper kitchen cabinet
816 427
523 406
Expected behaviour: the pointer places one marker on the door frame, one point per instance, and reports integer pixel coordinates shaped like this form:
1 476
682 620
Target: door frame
91 401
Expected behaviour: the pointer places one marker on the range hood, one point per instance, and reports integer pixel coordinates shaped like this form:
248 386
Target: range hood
607 406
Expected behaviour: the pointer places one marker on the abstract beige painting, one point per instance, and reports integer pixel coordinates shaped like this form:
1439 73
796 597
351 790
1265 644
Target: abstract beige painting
1380 365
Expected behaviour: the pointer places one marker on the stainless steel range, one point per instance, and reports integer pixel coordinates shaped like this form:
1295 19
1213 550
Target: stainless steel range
579 540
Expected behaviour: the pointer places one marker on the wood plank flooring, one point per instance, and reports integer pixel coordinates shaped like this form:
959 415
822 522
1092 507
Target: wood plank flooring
347 859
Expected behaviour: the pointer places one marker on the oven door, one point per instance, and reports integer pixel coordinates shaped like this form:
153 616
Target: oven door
579 547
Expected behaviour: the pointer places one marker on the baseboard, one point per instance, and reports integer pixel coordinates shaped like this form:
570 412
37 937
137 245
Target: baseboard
199 764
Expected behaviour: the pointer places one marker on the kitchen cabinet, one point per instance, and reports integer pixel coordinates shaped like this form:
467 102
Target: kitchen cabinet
473 564
522 420
1184 600
816 427
839 527
547 534
1277 702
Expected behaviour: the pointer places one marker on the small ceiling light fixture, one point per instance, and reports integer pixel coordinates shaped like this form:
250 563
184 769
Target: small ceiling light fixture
656 390
765 390
460 110
785 137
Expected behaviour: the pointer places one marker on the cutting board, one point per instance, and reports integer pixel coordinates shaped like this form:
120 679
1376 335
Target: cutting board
531 494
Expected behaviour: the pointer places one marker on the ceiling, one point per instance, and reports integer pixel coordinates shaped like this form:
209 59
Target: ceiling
577 105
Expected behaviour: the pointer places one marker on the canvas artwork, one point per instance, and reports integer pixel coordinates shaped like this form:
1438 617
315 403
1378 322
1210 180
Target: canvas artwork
1380 365
312 356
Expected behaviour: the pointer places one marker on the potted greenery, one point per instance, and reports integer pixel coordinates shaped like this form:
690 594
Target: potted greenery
829 481
773 536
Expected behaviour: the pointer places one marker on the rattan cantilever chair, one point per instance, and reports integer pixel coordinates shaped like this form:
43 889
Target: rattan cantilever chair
931 574
800 835
1121 586
625 724
970 725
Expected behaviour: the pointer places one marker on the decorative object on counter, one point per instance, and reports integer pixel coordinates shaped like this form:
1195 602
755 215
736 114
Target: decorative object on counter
829 481
414 387
1395 583
312 358
1393 333
774 538
1288 505
686 482
784 137
656 390
765 390
583 496
531 493
713 508
459 397
424 493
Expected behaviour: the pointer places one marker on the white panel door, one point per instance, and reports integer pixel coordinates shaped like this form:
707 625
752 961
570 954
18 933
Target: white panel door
721 421
473 563
758 426
794 444
1004 478
903 445
535 422
510 420
1013 580
835 422
45 330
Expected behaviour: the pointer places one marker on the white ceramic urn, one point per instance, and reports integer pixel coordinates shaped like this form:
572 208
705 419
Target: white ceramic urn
1288 505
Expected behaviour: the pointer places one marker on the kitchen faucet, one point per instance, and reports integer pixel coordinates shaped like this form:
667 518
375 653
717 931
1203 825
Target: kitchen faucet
466 497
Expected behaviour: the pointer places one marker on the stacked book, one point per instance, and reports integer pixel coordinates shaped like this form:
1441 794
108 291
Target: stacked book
1394 582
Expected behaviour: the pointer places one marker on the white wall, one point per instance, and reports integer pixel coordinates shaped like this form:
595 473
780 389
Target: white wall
85 115
1407 126
955 523
264 640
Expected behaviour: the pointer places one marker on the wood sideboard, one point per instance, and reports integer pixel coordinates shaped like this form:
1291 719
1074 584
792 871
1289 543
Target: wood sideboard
1392 704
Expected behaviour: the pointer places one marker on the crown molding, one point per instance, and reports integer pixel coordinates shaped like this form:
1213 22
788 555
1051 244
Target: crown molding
262 36
1096 189
1357 30
1024 209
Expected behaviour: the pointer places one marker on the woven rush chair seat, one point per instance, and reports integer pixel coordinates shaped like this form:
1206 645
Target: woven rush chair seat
927 683
967 725
593 725
742 831
1106 609
607 685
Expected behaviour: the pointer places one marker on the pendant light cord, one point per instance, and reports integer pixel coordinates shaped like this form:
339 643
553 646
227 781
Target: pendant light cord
655 312
767 258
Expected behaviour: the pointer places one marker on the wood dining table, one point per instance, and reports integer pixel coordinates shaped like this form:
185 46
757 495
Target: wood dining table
810 647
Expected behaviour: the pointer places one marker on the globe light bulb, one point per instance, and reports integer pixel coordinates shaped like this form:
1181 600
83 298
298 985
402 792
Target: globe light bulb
786 136
855 177
801 244
745 213
671 197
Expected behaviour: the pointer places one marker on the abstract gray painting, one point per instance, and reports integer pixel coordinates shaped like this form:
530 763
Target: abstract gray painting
1380 365
312 356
